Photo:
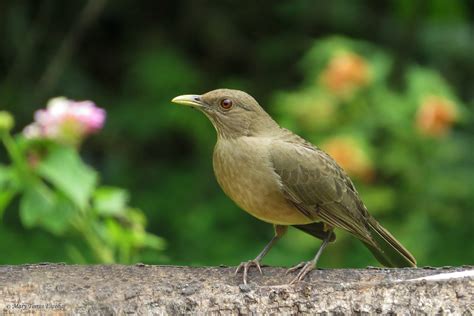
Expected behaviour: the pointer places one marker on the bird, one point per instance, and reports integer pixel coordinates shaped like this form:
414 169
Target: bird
283 179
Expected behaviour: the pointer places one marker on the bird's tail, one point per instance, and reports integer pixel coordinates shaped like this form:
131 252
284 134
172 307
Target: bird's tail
388 251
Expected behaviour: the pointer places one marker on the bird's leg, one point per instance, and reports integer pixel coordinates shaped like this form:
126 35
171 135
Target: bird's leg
309 265
279 232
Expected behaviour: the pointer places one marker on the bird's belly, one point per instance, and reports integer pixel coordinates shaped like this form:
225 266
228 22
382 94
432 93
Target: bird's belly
254 186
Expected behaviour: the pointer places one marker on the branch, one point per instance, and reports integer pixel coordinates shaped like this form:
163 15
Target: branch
143 289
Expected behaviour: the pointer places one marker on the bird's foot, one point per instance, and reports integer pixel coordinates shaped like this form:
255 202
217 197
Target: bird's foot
305 266
246 266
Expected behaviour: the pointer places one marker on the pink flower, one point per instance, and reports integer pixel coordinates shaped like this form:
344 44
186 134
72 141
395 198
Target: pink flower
66 121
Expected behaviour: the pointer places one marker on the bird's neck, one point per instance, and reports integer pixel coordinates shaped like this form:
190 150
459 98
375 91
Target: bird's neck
247 128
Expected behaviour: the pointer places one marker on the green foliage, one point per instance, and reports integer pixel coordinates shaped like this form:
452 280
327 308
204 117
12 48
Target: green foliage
65 170
110 201
418 186
40 206
59 193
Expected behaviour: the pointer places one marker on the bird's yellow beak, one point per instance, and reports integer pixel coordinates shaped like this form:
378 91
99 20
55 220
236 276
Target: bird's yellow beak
188 100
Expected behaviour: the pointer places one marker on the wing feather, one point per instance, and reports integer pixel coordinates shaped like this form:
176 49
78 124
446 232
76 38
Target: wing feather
318 187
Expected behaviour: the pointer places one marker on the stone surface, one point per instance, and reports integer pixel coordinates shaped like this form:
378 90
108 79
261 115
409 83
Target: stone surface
144 290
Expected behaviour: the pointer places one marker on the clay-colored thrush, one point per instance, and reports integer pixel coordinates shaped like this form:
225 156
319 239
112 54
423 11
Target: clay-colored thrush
282 179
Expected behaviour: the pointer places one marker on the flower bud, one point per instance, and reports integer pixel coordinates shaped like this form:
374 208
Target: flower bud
6 121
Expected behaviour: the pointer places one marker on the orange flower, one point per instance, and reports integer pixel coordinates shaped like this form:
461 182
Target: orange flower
345 73
435 116
350 155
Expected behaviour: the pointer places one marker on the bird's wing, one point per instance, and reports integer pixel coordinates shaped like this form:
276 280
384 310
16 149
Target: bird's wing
318 187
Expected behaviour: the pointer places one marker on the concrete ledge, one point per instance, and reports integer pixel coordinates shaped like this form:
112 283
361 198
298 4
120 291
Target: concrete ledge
144 290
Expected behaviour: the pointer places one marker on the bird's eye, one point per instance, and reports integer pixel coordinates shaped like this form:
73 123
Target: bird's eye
226 104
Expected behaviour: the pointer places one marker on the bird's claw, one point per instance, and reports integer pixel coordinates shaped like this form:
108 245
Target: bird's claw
246 266
305 267
294 268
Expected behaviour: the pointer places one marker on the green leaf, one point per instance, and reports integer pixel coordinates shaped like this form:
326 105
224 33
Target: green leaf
5 198
110 201
154 242
40 206
64 213
37 203
64 168
7 191
4 175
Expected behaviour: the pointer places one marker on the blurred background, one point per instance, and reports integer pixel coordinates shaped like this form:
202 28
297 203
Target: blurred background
385 87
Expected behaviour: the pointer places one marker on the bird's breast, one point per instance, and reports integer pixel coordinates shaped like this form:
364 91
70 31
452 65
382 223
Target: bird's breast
244 171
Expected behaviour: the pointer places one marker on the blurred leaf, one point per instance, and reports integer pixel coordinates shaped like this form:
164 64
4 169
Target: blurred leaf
114 233
309 110
154 242
4 175
378 199
64 213
5 199
40 206
6 191
110 201
65 170
76 256
36 204
422 82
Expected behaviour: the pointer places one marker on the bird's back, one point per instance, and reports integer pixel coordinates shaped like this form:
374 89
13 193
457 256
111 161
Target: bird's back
316 184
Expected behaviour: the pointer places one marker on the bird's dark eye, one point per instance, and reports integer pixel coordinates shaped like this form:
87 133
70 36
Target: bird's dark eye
226 104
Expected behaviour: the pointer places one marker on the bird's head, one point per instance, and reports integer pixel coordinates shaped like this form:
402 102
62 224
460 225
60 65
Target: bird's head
233 113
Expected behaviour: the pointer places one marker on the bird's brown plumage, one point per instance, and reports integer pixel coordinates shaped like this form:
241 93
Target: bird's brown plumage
281 178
